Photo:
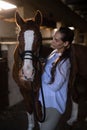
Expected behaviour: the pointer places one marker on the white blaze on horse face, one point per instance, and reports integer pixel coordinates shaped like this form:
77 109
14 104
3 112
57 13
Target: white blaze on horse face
28 67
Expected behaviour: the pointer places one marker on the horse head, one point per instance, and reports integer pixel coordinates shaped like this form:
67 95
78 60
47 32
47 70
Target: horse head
30 40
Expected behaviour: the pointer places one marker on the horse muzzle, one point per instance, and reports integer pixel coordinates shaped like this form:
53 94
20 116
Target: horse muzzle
24 77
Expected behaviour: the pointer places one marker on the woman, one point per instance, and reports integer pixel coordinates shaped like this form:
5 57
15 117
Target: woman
55 78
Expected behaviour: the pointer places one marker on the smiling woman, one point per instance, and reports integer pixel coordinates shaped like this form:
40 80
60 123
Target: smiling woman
5 5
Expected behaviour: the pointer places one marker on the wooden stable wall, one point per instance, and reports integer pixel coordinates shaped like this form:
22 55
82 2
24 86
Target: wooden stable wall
9 91
4 101
14 92
7 30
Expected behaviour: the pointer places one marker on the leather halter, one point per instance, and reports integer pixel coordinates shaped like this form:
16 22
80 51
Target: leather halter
28 53
32 56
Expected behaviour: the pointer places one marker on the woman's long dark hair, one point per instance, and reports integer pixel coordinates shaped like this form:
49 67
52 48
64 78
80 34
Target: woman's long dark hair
67 35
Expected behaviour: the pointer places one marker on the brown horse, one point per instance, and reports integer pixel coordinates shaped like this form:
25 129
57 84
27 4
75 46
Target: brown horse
78 80
27 65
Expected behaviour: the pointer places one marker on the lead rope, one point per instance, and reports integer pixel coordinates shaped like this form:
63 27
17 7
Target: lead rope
44 111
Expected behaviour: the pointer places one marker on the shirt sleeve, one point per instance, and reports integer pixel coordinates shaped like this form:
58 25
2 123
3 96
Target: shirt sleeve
61 75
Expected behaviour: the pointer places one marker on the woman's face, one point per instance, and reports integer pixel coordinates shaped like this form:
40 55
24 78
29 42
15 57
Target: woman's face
57 42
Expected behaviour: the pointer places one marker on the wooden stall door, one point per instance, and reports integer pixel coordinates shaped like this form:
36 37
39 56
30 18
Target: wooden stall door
4 102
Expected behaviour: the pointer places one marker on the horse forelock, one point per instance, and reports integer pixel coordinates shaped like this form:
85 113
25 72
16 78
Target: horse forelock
31 25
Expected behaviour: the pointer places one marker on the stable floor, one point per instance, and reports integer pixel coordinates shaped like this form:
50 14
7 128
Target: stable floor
15 118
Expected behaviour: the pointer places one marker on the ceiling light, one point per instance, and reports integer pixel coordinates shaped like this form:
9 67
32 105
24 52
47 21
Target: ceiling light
55 29
5 5
72 28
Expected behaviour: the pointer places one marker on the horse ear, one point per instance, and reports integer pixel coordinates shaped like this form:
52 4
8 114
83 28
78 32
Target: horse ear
19 19
38 18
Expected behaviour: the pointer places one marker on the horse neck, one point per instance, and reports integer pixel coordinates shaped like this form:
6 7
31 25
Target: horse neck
74 66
